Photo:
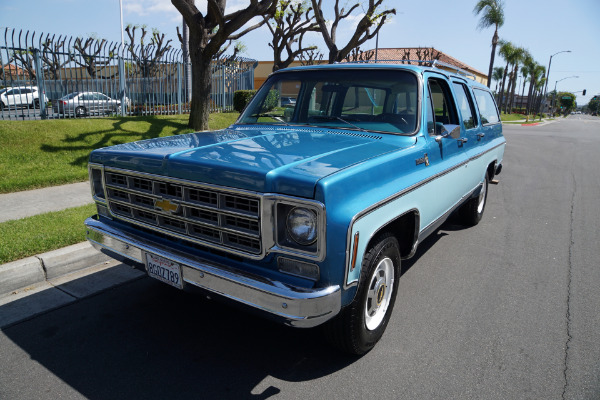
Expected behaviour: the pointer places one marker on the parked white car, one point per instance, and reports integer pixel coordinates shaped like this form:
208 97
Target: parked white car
21 96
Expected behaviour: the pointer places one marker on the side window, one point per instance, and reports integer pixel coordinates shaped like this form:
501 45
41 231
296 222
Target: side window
443 104
488 112
465 104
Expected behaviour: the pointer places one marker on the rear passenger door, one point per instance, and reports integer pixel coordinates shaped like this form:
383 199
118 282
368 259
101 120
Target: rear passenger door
469 118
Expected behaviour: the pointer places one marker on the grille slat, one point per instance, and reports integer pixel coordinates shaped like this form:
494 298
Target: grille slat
202 215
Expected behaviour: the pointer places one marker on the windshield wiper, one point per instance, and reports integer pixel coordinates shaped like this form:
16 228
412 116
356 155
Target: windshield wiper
275 117
336 118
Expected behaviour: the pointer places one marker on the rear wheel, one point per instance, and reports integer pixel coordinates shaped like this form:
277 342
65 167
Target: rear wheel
472 211
361 324
80 112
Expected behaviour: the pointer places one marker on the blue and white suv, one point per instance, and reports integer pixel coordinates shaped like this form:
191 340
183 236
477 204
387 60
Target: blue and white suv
305 211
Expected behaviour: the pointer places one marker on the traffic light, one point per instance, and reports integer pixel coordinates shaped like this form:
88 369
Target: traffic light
584 92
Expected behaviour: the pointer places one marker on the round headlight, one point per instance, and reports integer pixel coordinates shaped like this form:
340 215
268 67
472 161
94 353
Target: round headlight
302 225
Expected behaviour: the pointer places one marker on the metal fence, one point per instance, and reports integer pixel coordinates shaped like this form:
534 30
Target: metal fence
49 76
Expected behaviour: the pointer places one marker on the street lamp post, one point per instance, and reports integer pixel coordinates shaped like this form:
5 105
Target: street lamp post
554 96
545 97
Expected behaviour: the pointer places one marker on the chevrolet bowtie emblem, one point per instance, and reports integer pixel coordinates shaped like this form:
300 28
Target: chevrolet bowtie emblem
166 205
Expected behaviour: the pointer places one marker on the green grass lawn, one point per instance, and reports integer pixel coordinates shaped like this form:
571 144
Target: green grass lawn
41 233
37 154
511 117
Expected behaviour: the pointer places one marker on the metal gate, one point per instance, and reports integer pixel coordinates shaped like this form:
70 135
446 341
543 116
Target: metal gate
47 76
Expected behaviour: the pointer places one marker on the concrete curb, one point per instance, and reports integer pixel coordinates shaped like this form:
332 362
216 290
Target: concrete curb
43 267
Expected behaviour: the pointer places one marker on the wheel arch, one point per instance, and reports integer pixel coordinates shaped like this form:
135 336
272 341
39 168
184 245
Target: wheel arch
404 227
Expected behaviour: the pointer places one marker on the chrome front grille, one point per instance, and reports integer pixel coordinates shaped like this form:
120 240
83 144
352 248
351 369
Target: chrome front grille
212 216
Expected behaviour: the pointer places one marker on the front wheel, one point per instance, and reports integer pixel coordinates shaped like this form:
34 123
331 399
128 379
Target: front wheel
361 324
472 211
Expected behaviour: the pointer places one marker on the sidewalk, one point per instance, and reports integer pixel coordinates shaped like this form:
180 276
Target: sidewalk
59 276
32 202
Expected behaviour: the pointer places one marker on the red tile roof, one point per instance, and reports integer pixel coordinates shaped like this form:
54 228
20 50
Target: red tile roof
418 53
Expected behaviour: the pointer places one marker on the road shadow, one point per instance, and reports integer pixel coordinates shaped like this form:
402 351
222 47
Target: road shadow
147 340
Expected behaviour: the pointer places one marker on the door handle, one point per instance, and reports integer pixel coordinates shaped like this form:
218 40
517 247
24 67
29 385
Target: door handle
462 140
480 135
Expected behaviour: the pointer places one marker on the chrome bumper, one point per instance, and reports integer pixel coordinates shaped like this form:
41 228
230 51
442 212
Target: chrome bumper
292 305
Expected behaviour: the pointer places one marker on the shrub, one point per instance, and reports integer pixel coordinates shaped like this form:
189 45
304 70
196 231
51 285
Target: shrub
271 101
241 98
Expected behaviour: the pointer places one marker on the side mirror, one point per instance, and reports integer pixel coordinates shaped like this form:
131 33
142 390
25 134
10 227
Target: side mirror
449 130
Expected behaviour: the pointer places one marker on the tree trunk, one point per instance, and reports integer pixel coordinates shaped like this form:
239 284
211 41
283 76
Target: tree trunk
514 87
522 93
492 57
201 85
501 95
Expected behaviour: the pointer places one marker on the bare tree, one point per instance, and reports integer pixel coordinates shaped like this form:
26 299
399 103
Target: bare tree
289 24
357 55
147 55
26 59
311 57
51 55
208 33
373 17
95 54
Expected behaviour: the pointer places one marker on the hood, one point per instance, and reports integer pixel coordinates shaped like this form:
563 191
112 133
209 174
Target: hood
286 160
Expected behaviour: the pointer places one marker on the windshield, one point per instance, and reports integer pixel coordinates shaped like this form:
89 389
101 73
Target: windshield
357 99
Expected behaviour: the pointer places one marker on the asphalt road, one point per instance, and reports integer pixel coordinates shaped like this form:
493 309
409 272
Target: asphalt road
505 310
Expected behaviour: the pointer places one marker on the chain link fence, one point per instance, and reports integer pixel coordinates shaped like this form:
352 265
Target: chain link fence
46 76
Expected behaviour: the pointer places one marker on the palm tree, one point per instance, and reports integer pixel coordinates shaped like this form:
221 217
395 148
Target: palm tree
517 57
528 64
506 50
536 77
497 76
493 15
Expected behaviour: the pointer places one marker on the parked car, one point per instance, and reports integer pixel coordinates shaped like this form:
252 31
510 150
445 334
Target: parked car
86 103
306 214
21 96
288 101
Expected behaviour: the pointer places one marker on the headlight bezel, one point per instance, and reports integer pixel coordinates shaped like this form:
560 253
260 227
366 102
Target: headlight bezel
284 243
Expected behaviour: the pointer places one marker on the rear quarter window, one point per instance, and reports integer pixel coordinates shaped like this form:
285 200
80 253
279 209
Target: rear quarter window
488 112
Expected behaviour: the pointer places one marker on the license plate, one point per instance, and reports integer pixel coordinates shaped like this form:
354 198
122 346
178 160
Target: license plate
164 270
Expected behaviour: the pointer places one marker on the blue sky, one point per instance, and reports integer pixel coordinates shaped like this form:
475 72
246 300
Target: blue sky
543 27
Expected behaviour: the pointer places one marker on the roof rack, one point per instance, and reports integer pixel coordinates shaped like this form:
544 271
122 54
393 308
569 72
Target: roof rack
437 63
432 63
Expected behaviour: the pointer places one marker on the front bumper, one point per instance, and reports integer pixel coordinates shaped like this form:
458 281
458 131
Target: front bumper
295 306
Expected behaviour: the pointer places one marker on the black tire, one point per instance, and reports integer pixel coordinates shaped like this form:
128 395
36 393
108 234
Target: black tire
472 211
2 106
360 325
80 112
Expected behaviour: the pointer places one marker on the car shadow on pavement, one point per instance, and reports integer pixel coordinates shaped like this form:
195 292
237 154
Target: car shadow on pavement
147 340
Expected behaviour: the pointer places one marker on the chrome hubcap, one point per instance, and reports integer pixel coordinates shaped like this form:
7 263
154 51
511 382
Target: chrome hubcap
379 293
481 198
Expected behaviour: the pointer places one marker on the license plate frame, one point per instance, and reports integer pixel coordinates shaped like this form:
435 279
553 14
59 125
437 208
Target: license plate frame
164 270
